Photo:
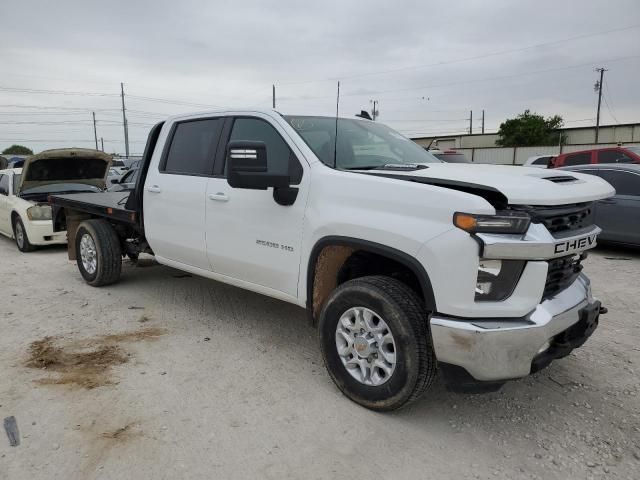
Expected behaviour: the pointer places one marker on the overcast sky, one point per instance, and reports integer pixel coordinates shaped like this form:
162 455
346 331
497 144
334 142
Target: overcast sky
427 62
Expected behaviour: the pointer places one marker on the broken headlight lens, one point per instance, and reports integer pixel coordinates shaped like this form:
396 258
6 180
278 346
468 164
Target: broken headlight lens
39 212
497 279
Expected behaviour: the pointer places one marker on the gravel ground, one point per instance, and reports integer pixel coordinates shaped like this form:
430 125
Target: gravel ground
165 375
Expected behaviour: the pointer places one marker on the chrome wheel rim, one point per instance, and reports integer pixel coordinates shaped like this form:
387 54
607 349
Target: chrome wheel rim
366 346
19 235
88 253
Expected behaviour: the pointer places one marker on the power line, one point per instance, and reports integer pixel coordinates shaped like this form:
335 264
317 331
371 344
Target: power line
609 108
466 59
466 82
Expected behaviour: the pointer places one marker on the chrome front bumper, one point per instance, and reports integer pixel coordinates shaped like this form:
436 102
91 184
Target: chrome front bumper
499 349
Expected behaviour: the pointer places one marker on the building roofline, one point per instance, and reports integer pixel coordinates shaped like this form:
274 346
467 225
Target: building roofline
564 129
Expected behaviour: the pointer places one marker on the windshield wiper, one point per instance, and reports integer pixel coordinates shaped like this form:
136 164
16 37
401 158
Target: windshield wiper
390 166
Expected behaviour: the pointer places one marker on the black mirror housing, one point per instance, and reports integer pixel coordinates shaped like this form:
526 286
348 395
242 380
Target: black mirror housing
247 167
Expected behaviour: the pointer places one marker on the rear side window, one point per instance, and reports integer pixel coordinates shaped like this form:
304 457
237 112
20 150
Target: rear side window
613 156
541 161
280 158
625 183
578 159
4 184
192 147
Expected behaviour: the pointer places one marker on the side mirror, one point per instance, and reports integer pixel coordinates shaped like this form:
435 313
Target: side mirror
114 181
247 167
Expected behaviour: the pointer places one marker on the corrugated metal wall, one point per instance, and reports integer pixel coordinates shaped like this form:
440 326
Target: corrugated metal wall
517 156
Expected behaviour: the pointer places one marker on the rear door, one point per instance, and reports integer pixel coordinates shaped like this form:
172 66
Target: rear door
613 156
619 216
250 237
5 191
175 192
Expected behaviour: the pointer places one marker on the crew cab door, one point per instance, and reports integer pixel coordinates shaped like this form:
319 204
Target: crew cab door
250 236
175 192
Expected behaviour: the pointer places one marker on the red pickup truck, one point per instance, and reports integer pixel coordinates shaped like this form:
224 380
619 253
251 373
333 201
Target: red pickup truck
600 155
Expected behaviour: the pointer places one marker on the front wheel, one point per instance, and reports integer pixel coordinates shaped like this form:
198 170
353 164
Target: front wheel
375 342
20 235
98 252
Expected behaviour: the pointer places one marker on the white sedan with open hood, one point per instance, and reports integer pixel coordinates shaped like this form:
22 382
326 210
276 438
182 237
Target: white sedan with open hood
25 214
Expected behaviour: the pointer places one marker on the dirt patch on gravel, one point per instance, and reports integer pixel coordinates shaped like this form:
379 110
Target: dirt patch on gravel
84 363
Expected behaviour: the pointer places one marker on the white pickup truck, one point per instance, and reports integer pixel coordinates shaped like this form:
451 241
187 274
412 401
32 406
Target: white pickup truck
407 266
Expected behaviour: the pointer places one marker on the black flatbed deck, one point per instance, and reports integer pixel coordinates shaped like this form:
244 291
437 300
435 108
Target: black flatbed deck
103 204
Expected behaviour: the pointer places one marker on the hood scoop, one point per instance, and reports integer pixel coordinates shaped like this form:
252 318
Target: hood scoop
561 179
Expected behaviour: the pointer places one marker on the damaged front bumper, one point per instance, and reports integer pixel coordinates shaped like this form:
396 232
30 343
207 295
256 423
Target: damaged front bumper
486 352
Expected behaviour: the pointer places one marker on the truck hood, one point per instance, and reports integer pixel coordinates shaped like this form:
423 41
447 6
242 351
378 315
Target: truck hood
65 165
518 185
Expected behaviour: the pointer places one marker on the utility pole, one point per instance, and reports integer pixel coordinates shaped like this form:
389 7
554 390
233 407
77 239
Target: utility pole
124 122
274 95
598 88
102 143
483 121
470 122
95 132
374 111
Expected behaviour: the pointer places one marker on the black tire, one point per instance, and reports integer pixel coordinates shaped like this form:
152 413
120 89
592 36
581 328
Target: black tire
22 240
406 317
108 252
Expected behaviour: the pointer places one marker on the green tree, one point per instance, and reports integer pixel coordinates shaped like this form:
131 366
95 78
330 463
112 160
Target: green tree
17 150
530 129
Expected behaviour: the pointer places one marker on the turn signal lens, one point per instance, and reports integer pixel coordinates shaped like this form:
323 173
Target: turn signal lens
502 222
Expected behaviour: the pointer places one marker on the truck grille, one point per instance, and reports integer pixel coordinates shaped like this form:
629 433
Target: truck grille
564 218
562 272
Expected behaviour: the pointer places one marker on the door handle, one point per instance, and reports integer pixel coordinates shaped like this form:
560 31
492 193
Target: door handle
219 197
154 189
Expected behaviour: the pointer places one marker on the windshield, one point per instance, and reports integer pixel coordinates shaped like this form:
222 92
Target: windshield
61 187
361 143
452 157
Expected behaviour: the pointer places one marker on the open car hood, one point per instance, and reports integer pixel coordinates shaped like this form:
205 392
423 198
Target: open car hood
65 165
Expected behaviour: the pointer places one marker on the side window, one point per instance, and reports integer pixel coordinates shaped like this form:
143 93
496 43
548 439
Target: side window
578 159
541 161
613 156
280 158
625 183
4 184
192 148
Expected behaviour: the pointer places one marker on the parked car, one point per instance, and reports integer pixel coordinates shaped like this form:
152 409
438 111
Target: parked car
408 266
449 156
126 182
25 214
600 155
539 161
618 216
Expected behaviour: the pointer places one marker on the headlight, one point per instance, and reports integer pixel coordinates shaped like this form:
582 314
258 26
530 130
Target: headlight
497 279
39 212
502 222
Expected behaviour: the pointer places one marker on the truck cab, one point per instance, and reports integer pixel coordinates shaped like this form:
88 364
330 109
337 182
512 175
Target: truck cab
406 265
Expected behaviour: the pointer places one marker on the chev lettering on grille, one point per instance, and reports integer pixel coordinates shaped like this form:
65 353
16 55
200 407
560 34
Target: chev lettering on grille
574 245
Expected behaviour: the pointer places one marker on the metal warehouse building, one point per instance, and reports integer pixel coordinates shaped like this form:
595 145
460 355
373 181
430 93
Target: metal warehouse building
482 148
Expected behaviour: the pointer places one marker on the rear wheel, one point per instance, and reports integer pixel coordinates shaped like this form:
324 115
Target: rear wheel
375 342
20 235
98 252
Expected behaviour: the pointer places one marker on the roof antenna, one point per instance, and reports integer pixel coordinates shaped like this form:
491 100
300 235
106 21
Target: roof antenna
335 142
